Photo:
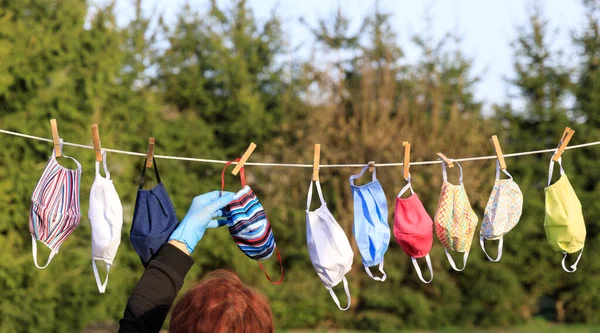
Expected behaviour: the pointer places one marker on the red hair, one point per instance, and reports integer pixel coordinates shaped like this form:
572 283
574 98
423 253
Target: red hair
221 303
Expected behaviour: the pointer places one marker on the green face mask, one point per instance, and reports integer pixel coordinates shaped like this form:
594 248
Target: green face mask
564 224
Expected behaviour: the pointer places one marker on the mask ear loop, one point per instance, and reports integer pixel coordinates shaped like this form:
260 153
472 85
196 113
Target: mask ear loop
362 172
101 286
445 174
34 253
498 171
376 278
574 266
406 187
242 175
418 269
465 256
63 155
335 298
280 265
551 169
500 244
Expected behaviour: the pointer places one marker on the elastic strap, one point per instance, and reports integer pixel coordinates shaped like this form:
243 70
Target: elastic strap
551 169
63 155
406 187
445 175
309 197
362 172
499 249
101 286
242 174
574 266
107 174
465 256
335 298
34 253
143 177
418 269
280 265
375 277
498 171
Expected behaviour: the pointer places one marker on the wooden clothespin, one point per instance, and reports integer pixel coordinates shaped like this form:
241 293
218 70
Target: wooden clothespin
150 153
243 159
316 161
446 160
498 151
371 166
564 142
55 138
406 161
96 139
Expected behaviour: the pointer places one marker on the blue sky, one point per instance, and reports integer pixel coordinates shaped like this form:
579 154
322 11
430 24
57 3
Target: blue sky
486 27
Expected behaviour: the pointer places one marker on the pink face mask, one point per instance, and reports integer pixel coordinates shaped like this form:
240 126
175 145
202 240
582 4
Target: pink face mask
413 229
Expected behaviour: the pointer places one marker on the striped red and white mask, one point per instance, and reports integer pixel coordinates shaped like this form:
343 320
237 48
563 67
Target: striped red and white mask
55 210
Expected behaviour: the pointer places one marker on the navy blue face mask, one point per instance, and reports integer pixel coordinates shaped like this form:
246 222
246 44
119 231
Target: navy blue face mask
154 218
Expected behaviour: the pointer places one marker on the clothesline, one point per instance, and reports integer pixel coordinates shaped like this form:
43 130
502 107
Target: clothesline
294 165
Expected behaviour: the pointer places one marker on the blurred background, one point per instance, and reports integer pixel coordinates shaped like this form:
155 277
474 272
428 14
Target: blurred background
359 77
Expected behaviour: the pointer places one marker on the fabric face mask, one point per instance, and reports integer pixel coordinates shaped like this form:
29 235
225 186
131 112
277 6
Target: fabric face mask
249 226
154 218
413 229
55 210
328 247
564 224
455 221
106 217
371 228
502 212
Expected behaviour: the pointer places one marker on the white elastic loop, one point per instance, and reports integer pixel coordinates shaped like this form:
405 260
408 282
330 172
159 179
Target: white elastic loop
63 154
445 175
362 172
574 266
465 256
34 253
376 278
309 197
551 169
101 286
335 298
498 171
418 269
405 188
500 244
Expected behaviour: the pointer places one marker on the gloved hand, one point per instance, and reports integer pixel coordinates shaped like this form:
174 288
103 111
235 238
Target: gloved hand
200 215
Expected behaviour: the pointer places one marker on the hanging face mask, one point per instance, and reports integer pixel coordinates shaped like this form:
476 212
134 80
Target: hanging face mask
154 218
455 221
106 217
564 224
328 247
55 210
371 228
413 229
502 212
249 226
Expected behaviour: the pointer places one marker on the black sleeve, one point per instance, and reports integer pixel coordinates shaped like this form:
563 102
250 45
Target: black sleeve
155 292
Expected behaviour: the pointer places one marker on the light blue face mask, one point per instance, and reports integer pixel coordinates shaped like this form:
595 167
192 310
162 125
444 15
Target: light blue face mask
371 228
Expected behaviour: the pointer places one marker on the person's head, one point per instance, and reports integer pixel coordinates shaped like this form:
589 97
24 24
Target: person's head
221 303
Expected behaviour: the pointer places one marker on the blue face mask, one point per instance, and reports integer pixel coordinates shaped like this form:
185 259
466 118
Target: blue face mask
371 228
154 218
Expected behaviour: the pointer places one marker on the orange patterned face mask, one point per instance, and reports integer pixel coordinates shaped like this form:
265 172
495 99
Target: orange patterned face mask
455 221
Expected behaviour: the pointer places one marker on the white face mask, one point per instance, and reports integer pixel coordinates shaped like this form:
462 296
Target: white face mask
106 218
328 247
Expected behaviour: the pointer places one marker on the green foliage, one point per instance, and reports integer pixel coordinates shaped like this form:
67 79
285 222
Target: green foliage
216 79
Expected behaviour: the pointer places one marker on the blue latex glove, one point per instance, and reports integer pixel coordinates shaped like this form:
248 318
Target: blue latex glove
203 210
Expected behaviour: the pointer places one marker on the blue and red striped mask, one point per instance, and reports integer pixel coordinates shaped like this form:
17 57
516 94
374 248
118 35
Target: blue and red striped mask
249 226
55 210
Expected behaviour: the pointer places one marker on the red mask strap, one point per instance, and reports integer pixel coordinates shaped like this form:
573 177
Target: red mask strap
242 174
280 265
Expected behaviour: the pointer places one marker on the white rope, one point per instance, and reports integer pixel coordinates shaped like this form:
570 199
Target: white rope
292 165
